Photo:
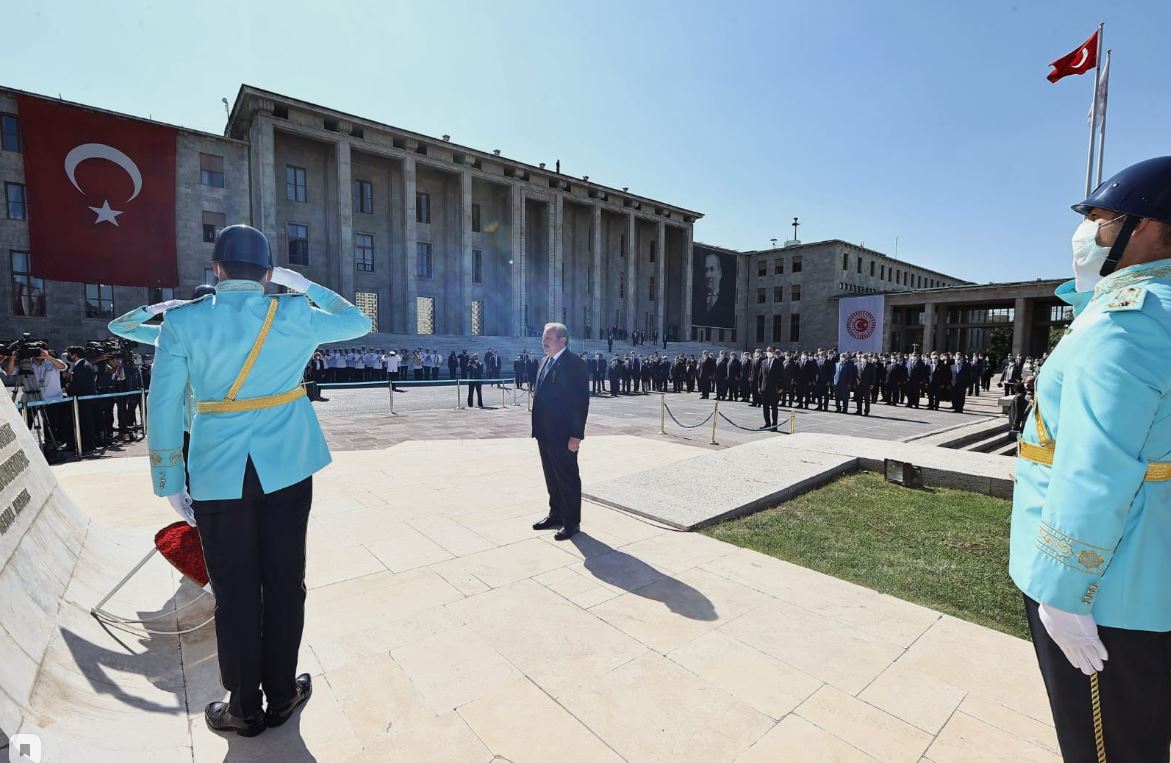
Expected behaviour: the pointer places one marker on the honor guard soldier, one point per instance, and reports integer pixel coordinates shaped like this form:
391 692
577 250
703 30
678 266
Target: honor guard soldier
255 442
1091 521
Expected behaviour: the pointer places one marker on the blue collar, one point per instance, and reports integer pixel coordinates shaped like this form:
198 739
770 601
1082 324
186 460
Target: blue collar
239 284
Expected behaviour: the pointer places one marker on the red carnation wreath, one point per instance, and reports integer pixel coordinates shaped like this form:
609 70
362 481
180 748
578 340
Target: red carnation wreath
180 545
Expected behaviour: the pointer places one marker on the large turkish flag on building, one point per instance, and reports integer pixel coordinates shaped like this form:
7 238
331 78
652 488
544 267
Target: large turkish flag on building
101 193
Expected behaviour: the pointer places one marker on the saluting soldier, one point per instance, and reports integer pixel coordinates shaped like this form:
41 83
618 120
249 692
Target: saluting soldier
1091 522
255 442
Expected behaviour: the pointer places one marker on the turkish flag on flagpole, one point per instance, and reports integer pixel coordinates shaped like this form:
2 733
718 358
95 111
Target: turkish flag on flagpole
1080 61
101 193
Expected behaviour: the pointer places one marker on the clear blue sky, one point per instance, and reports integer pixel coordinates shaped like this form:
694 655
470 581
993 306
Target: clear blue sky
931 121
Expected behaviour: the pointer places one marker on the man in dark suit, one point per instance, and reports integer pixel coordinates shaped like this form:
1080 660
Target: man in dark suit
615 375
961 379
938 386
896 379
845 377
707 370
825 378
867 377
561 402
917 376
770 373
734 376
721 376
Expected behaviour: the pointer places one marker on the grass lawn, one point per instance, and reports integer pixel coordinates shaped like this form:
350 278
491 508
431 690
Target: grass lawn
944 549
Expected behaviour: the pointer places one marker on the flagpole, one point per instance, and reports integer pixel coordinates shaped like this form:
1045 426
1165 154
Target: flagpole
1094 115
1105 104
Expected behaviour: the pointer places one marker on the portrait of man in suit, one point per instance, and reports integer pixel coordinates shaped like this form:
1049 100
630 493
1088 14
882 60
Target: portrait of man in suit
714 274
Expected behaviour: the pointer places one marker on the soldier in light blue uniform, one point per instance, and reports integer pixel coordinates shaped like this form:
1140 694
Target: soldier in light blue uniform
255 442
1091 521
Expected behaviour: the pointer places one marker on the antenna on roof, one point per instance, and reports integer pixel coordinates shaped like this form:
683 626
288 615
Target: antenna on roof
224 101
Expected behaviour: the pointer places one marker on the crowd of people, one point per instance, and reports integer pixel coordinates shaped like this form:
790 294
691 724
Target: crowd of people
370 364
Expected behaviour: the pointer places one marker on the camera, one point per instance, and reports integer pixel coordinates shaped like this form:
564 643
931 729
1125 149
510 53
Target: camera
25 348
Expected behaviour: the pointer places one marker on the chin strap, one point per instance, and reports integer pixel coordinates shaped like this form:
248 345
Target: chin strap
1128 225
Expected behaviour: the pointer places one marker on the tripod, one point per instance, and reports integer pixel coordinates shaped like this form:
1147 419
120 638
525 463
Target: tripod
38 421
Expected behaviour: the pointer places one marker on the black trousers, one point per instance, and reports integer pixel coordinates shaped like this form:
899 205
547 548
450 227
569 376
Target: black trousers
862 400
562 480
770 405
475 387
1134 695
254 547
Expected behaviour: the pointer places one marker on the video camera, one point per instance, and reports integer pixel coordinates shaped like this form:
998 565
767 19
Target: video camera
25 348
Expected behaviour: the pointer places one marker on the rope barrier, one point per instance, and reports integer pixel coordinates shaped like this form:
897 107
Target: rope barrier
667 408
746 429
420 383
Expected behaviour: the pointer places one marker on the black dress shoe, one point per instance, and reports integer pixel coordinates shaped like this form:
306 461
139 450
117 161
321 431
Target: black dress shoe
565 533
277 716
548 523
219 718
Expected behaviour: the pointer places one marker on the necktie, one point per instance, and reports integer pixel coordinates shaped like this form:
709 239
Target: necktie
544 370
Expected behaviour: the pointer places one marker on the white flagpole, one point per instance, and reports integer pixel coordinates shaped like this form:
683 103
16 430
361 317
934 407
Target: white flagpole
1105 100
1094 116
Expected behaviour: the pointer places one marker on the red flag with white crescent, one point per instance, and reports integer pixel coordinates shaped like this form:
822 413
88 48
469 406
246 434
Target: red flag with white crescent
1079 61
101 193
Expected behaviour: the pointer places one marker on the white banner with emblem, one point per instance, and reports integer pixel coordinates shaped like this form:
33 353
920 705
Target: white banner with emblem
860 323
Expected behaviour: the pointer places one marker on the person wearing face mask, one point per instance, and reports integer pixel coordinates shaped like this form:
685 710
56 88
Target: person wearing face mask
845 376
917 375
896 379
1091 517
769 388
825 379
936 382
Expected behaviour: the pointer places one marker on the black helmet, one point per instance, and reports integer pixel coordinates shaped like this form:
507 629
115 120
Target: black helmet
202 290
242 243
1140 191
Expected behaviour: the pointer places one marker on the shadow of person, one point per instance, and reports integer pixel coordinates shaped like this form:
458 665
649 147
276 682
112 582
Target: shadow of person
283 743
635 576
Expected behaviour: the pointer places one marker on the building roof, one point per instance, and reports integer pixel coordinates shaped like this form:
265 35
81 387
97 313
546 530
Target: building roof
1038 282
837 241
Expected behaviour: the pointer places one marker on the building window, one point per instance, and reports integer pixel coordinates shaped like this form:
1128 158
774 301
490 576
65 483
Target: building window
364 197
779 266
872 268
477 317
213 223
295 183
28 293
475 218
424 315
424 267
778 322
760 328
796 297
882 273
9 133
859 264
477 266
796 263
795 327
99 301
16 202
298 243
651 290
155 294
364 252
621 285
622 245
845 260
654 250
778 293
760 296
423 208
762 268
211 170
367 302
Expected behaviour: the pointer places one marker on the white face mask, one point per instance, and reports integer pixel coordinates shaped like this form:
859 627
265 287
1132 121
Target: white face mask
1088 254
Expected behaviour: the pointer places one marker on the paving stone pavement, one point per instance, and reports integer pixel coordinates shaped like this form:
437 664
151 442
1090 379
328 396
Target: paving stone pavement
441 627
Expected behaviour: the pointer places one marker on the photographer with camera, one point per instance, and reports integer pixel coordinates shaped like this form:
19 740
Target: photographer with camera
30 366
83 381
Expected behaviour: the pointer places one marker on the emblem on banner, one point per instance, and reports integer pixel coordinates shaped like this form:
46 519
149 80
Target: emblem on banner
860 324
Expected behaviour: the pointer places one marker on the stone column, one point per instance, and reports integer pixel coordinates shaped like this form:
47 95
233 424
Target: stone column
596 318
556 256
1022 322
631 271
410 237
344 241
661 279
519 298
465 241
928 327
688 263
261 159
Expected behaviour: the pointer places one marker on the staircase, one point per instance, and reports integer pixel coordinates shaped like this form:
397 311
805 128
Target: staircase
989 435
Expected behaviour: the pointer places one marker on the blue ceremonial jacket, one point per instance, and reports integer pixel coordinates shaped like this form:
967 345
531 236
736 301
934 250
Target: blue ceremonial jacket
133 326
1090 534
205 343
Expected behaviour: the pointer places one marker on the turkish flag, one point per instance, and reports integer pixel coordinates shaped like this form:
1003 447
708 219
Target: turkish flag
101 195
1080 61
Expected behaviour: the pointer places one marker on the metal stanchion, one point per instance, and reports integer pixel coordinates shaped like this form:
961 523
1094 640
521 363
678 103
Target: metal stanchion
77 425
390 391
715 418
792 422
662 414
529 398
142 392
459 403
503 396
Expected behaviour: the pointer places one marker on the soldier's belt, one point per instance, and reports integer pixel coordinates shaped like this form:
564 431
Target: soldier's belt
250 403
1157 471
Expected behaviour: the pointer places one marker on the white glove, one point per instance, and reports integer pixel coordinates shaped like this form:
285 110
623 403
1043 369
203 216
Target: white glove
1077 635
290 279
162 307
181 503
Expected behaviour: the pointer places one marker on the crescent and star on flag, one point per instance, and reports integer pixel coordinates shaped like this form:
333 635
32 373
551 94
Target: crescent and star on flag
80 153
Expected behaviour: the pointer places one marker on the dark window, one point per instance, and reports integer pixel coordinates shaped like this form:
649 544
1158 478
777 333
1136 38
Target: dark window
475 218
213 223
424 268
760 328
796 263
364 197
882 273
364 252
778 293
796 292
762 268
622 246
654 248
872 268
298 243
9 133
778 323
17 204
295 183
859 264
478 266
845 260
99 301
423 208
155 295
651 291
28 293
760 296
779 266
211 170
795 327
621 285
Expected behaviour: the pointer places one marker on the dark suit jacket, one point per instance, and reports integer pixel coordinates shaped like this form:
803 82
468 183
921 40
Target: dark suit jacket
84 381
825 373
867 376
562 400
770 374
707 368
722 369
919 373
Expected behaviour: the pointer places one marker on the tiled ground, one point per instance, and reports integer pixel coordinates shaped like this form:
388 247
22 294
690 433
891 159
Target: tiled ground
442 628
